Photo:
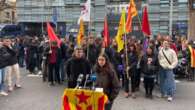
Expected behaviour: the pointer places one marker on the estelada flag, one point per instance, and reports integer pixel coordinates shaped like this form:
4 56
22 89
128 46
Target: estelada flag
80 33
78 99
132 12
51 34
145 23
106 33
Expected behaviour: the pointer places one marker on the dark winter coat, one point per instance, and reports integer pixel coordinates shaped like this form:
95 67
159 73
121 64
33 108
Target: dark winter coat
109 82
8 56
74 67
149 70
132 60
92 54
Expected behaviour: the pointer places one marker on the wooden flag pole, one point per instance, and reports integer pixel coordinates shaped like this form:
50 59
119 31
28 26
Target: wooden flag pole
89 32
126 57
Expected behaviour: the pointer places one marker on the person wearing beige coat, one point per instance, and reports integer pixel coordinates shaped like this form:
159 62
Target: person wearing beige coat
168 61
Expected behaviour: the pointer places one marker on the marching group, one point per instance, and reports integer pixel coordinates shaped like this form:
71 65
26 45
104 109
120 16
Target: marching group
156 60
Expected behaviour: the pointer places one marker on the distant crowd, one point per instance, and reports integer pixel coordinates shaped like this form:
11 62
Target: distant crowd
158 61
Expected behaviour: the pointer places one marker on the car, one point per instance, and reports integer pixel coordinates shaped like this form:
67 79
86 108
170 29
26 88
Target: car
10 30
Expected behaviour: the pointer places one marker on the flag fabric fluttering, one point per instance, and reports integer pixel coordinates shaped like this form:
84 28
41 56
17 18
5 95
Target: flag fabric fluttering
132 12
55 16
51 34
85 12
74 99
121 31
145 23
106 33
80 33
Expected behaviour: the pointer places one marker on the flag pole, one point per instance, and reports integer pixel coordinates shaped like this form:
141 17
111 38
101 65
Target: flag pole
126 52
126 56
89 31
105 18
56 21
139 20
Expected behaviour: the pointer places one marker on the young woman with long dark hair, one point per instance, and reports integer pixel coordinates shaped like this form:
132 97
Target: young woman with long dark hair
107 79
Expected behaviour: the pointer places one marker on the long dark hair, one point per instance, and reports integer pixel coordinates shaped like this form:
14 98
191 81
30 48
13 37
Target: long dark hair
107 68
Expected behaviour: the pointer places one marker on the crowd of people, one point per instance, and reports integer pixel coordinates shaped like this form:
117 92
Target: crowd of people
157 60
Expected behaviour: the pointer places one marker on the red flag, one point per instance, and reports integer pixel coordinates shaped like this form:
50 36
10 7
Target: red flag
145 23
106 33
51 34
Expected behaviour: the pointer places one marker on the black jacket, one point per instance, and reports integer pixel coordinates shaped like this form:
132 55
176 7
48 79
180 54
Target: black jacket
92 54
74 67
63 51
8 56
149 70
109 82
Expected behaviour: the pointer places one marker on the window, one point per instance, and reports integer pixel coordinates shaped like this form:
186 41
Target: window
7 14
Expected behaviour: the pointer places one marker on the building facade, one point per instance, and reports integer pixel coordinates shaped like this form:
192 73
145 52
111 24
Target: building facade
8 13
159 15
33 14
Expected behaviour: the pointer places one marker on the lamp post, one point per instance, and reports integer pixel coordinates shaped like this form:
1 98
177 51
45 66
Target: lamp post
191 25
171 18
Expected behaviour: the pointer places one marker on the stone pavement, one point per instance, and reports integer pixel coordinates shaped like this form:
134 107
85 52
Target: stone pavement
36 95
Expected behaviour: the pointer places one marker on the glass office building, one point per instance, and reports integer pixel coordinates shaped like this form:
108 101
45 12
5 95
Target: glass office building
33 14
159 16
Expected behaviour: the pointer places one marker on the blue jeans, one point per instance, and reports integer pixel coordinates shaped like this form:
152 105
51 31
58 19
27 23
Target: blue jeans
167 82
21 61
62 69
2 75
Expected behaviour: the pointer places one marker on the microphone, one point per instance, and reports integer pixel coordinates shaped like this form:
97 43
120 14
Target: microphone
93 78
86 79
79 80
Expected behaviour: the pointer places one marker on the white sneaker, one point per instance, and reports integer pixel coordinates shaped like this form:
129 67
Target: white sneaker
3 93
18 86
39 73
170 99
10 89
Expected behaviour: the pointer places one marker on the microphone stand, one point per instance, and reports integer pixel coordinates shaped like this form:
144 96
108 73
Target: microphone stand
86 78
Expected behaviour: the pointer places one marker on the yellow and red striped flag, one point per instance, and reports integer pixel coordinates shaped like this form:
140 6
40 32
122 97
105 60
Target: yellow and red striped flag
121 32
74 99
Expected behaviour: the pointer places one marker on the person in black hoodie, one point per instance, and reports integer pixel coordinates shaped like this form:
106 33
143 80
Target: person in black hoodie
107 79
77 65
149 64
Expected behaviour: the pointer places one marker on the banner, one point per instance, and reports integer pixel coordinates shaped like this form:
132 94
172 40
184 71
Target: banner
79 99
85 12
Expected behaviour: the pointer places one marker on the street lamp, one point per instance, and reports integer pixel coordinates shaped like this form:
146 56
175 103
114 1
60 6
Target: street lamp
171 18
